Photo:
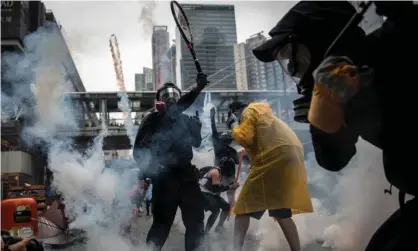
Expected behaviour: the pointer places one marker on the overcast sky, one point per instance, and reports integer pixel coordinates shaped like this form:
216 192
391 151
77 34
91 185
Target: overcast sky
87 27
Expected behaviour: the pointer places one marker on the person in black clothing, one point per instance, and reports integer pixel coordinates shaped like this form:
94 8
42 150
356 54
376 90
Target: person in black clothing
213 182
163 148
148 195
221 144
350 93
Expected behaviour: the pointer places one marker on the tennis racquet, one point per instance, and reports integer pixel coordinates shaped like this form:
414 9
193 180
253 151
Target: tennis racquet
184 27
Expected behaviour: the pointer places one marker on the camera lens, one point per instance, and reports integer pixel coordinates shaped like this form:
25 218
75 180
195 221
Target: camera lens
34 245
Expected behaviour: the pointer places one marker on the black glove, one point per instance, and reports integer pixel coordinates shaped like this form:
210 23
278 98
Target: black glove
196 119
202 80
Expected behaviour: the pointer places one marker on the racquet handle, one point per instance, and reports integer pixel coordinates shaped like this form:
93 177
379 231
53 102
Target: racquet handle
197 64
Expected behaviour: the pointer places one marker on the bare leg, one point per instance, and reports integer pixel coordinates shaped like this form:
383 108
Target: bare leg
242 222
223 217
290 231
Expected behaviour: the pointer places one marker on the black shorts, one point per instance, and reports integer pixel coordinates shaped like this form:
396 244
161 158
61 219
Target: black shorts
282 213
214 202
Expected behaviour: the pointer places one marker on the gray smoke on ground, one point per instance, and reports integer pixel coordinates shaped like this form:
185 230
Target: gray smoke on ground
349 205
146 17
96 197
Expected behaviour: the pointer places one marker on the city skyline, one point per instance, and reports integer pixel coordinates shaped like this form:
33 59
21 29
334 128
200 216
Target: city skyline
87 35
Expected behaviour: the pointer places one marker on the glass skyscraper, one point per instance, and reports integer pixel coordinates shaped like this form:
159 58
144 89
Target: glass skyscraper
215 34
160 60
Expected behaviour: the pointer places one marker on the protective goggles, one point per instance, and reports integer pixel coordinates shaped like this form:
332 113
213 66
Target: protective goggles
169 92
294 58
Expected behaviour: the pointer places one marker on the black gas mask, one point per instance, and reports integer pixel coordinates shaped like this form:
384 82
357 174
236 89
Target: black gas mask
295 60
299 40
167 97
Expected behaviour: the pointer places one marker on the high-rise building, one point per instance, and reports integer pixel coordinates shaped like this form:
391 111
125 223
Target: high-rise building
263 76
149 78
257 78
160 60
144 81
173 63
241 67
139 82
214 32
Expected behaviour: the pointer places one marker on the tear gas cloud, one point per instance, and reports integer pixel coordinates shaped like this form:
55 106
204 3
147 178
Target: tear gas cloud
125 107
349 206
146 17
94 196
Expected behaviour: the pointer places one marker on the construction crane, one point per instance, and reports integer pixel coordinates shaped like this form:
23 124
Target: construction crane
117 62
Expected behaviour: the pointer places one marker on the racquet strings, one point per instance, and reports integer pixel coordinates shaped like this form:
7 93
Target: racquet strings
184 25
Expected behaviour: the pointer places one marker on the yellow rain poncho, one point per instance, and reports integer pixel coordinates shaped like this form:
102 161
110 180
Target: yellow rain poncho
277 178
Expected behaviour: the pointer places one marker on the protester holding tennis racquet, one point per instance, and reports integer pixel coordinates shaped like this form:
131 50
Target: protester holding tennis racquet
163 149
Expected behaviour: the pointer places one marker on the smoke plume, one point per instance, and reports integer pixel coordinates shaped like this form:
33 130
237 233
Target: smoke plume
146 18
125 107
349 205
95 197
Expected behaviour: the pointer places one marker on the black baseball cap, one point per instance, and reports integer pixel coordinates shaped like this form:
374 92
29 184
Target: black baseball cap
306 19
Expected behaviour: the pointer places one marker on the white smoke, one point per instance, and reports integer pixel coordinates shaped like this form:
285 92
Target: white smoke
164 66
349 205
95 197
125 107
147 17
204 156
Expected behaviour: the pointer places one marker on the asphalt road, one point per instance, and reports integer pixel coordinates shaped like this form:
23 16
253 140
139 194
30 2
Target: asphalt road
215 241
175 241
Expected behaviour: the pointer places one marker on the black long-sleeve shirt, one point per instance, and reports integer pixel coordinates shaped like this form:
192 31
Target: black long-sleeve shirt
334 151
166 141
221 148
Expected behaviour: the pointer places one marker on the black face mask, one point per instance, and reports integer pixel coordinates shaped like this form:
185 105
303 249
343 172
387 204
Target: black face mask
172 108
170 96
